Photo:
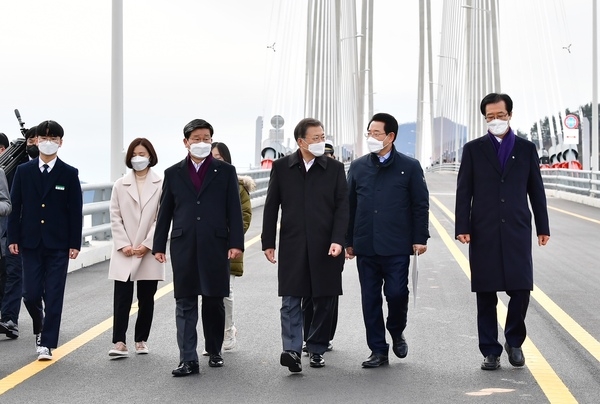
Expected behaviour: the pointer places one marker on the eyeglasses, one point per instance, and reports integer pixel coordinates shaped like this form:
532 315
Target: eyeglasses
376 135
316 139
500 115
54 139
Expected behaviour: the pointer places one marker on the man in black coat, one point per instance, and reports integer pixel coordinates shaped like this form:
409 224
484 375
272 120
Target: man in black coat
498 172
201 199
311 190
389 221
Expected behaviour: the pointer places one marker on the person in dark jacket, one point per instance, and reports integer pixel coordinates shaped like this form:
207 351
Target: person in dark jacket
497 174
45 227
310 188
13 288
389 221
200 198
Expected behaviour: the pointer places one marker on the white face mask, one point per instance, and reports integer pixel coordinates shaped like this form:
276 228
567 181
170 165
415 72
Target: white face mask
139 163
48 147
374 145
498 127
317 149
200 150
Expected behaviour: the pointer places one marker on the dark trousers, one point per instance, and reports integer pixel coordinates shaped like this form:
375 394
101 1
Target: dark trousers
391 273
13 289
487 321
44 279
307 315
186 320
123 297
2 279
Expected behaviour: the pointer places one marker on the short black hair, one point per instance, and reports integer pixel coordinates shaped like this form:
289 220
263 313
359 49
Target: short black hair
390 124
49 128
141 141
197 124
4 140
223 151
30 132
303 125
493 98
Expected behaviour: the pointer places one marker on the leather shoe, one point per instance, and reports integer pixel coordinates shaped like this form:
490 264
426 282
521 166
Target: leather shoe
186 369
375 360
215 361
400 347
515 355
491 362
316 360
292 360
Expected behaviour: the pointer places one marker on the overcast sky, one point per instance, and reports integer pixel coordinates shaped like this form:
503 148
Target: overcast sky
186 59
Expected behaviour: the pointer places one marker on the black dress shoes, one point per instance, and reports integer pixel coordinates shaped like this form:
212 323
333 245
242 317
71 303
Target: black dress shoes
515 355
491 362
316 360
186 369
400 347
292 360
215 361
375 360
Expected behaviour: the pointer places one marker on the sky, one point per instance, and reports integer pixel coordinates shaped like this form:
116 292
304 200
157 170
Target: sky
187 59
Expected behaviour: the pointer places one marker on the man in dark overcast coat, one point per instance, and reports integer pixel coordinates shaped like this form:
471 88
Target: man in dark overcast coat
201 199
498 172
311 190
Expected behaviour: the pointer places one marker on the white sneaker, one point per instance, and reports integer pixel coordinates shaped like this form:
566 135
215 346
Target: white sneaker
38 343
119 350
44 354
141 348
229 341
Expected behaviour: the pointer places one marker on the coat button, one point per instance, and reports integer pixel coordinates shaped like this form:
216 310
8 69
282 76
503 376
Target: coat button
198 218
42 221
43 205
503 221
376 211
197 202
502 180
502 200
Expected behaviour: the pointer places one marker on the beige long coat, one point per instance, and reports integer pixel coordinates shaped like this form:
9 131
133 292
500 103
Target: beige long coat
132 219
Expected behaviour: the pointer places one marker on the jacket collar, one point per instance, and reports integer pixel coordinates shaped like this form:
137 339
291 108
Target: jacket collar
296 159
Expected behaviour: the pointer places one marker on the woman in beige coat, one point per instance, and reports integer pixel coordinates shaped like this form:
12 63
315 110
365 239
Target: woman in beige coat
133 210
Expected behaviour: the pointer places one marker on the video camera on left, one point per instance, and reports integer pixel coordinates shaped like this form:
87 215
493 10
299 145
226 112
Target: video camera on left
16 153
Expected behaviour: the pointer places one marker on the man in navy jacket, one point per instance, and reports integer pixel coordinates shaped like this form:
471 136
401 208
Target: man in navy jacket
45 227
389 221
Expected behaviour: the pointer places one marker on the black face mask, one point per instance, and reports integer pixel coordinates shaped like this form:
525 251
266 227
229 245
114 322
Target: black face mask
32 151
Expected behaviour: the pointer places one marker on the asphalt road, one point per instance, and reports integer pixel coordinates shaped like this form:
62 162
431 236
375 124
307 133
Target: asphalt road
442 365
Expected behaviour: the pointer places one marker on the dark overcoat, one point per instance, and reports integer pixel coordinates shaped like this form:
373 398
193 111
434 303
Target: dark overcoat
491 206
389 205
206 225
314 214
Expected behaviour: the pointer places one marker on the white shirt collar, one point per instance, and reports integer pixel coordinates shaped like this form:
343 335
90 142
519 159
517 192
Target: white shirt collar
51 164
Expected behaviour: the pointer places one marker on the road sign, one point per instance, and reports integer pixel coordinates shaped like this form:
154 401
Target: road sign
572 121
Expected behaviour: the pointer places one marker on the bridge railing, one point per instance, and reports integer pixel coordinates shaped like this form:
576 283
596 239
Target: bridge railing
581 182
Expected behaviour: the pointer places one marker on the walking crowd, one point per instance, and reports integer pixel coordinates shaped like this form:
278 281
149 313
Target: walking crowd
377 213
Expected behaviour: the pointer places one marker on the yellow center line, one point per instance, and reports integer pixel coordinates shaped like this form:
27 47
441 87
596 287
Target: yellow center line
566 212
33 368
552 386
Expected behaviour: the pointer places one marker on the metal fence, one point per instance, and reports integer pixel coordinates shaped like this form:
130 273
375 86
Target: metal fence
580 182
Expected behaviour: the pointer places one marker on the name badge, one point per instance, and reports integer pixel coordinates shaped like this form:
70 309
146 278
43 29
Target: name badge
60 187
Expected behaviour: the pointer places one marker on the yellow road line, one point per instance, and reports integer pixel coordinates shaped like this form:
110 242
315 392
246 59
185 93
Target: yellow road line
566 212
584 338
27 371
552 386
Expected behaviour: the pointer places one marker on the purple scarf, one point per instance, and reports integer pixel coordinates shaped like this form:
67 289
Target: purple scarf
198 176
503 149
